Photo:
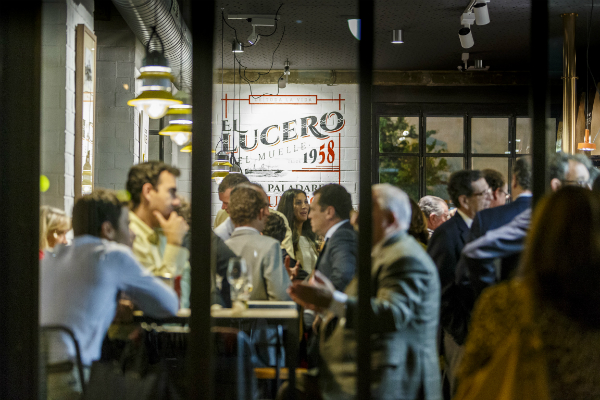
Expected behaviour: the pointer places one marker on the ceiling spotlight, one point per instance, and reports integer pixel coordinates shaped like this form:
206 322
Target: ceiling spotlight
237 47
354 26
464 33
482 17
254 37
283 79
397 36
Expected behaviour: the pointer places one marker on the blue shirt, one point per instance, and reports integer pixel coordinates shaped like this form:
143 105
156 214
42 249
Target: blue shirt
79 286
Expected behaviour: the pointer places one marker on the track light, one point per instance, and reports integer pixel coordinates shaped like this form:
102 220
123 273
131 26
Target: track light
482 17
464 33
397 36
466 37
254 37
237 47
283 79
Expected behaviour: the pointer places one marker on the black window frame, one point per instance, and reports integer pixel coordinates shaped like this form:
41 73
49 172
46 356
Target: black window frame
468 111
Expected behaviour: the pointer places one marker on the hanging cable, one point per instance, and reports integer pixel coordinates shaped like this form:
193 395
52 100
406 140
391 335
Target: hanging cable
589 71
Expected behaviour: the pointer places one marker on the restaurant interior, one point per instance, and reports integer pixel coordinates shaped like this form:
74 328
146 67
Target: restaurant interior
293 94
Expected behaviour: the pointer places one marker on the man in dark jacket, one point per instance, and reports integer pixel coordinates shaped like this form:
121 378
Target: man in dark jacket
470 193
330 218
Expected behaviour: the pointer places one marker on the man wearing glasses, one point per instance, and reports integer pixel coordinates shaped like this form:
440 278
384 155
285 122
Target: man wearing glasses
470 193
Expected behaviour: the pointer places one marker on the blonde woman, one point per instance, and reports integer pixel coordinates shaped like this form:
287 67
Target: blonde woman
54 225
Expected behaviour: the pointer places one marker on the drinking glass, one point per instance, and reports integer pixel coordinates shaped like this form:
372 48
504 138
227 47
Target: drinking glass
237 276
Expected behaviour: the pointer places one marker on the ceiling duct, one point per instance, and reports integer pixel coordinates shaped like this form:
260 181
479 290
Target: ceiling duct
142 15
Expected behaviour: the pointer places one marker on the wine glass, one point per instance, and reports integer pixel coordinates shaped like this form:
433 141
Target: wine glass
237 276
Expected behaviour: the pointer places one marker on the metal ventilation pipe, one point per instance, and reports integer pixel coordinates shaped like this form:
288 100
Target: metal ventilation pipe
142 15
569 84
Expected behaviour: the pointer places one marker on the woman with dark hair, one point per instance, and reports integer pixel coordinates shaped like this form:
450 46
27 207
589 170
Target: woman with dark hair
555 296
294 205
418 225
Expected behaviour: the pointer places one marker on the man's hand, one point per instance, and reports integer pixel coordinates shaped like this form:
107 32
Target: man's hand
174 228
315 295
292 272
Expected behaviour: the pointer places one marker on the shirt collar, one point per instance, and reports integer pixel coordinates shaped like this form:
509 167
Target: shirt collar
334 228
140 228
249 228
468 221
526 194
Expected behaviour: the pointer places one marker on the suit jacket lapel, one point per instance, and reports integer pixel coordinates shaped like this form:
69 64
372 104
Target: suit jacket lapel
321 254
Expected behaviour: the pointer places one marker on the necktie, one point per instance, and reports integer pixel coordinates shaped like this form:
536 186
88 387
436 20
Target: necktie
322 246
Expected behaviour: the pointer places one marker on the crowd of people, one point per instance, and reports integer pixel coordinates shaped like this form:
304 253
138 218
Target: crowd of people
449 286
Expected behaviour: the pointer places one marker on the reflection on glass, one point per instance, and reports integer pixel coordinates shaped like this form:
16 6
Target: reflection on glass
523 136
444 134
524 140
499 164
437 173
402 172
489 135
399 134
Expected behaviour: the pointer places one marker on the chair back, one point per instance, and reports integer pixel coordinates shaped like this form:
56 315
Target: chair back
47 337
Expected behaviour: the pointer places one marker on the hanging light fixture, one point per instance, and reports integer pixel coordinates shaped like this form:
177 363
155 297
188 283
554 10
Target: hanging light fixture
186 149
397 36
156 78
237 47
586 145
180 124
180 131
220 167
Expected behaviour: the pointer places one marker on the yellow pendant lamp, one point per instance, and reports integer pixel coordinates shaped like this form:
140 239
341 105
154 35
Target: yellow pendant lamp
180 124
156 97
220 167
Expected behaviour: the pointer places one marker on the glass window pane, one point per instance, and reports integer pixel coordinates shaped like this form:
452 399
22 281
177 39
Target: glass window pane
402 172
437 173
523 136
399 134
444 134
499 164
524 141
489 135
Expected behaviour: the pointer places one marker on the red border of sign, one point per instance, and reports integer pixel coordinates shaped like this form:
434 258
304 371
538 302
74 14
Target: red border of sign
317 99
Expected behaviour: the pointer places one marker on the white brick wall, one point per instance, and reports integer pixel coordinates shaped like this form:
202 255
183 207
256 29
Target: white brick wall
117 128
59 21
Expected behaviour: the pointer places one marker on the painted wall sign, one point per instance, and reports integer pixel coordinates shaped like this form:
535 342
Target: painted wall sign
300 137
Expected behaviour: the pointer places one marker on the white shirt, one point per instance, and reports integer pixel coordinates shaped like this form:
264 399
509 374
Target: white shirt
79 286
225 230
468 221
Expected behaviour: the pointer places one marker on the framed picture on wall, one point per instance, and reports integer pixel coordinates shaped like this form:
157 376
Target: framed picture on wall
85 110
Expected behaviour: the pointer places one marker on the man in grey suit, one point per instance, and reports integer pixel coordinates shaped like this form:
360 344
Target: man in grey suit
405 314
249 209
